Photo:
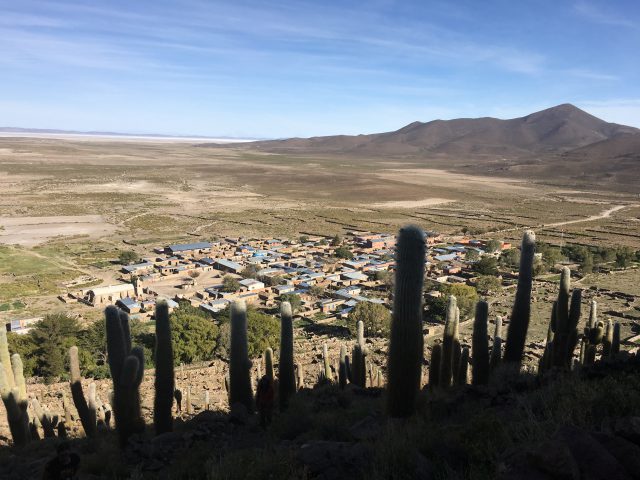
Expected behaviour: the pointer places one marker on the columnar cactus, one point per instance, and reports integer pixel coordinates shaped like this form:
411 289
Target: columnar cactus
566 322
608 340
240 365
127 368
5 358
496 349
480 344
342 369
407 343
14 396
463 368
187 401
47 427
77 394
286 373
93 404
594 338
268 364
326 364
165 378
615 342
435 366
521 312
450 340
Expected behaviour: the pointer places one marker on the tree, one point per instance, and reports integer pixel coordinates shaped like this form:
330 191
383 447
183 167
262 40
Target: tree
510 258
624 256
230 284
27 348
344 252
466 296
263 331
586 265
54 335
336 240
271 281
487 284
294 299
493 245
194 274
127 257
317 291
472 255
375 317
303 239
250 271
194 334
486 266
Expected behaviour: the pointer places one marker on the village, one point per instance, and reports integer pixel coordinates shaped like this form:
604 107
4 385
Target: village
329 276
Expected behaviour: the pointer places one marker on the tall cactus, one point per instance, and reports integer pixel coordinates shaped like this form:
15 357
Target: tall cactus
566 321
407 343
608 340
165 378
240 365
463 368
521 312
342 369
326 365
480 345
435 366
286 373
496 349
5 358
77 394
615 342
450 339
13 397
127 368
47 427
268 364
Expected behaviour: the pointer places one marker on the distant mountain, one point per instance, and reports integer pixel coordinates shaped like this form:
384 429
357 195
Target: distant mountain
555 130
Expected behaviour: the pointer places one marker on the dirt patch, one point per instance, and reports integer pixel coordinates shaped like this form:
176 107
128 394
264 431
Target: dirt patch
30 231
427 202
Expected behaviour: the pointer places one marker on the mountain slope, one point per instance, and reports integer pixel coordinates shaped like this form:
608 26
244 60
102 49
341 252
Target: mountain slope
555 130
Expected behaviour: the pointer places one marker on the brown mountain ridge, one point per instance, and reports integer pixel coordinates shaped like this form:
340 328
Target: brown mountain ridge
554 130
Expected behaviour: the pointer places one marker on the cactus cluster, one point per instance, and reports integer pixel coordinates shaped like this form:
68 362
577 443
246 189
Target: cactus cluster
127 368
14 393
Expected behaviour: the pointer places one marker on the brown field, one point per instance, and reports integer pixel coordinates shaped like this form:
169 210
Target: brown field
76 203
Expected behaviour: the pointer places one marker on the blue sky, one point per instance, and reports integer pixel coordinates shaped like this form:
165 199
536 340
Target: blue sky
302 68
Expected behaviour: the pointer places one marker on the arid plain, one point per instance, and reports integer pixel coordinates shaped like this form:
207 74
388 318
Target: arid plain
69 205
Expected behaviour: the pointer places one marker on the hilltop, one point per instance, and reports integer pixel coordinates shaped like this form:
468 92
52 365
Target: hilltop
558 129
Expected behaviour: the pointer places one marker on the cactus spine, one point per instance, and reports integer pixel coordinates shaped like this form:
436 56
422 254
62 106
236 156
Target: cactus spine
521 312
164 380
127 368
449 342
407 343
480 344
268 364
240 365
286 373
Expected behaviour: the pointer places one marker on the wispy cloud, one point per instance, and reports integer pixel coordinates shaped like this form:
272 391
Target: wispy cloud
604 16
590 75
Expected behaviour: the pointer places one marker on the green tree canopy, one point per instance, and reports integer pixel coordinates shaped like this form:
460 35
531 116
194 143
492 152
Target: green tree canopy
344 252
336 240
230 284
294 299
194 334
493 245
127 257
375 317
488 284
486 266
54 335
263 331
